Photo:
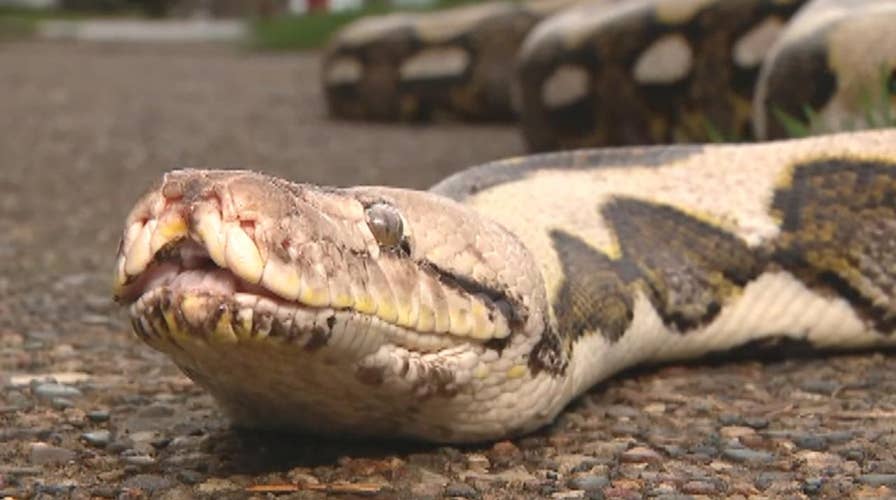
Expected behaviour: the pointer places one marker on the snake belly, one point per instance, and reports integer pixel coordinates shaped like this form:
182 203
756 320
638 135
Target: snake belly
479 309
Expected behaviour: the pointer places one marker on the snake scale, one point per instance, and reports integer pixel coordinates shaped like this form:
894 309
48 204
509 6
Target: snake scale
587 73
478 309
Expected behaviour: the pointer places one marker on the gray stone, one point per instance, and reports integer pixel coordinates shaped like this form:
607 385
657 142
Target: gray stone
61 403
55 490
640 454
155 411
98 416
766 479
824 387
811 442
147 482
878 479
745 455
97 438
588 482
756 422
42 335
42 453
699 488
813 486
50 391
838 437
461 490
139 460
189 476
12 470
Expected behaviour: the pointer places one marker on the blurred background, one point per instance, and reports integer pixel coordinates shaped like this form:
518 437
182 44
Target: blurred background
263 24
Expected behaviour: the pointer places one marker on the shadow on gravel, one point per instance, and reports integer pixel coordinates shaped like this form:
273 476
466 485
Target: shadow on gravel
252 452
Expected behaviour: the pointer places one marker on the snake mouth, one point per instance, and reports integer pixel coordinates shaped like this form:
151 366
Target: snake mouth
182 292
221 258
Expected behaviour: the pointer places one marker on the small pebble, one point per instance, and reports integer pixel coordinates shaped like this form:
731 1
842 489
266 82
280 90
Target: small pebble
12 471
756 422
97 438
61 403
585 465
155 411
766 479
698 488
42 335
878 479
51 391
640 455
736 431
811 442
104 491
120 445
621 411
98 416
139 460
588 482
95 319
745 455
463 490
214 485
147 482
160 443
812 486
42 453
823 387
56 490
838 437
729 419
188 476
478 463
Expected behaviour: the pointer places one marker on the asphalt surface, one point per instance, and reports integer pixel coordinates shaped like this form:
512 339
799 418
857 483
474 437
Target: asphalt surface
86 410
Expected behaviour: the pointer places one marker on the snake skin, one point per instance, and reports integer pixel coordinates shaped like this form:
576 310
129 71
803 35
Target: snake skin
478 309
456 63
836 58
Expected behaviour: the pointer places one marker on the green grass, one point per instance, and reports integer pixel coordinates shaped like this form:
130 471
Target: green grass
877 112
313 30
18 22
302 32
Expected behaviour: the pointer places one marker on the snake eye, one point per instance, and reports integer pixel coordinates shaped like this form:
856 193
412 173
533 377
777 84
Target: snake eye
387 227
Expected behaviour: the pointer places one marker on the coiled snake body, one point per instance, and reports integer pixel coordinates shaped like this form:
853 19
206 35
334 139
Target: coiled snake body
479 309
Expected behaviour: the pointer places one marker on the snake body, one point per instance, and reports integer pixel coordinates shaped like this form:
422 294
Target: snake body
646 71
457 63
586 73
478 309
836 58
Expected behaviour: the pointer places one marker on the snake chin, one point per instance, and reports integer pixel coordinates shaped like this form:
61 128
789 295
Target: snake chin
210 321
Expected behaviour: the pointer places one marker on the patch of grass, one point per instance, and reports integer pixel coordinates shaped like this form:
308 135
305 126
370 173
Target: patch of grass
717 134
18 22
309 31
876 110
302 32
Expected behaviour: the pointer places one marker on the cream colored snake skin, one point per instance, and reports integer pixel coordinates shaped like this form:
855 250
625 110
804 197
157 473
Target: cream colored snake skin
477 310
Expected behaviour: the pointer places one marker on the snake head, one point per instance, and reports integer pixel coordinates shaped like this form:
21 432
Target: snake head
238 275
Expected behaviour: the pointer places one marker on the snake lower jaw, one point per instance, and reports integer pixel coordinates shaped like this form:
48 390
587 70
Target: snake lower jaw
330 371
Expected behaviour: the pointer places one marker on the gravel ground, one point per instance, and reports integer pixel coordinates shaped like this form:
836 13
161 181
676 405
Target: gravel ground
88 411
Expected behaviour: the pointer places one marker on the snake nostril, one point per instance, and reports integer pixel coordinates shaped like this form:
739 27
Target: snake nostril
173 190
